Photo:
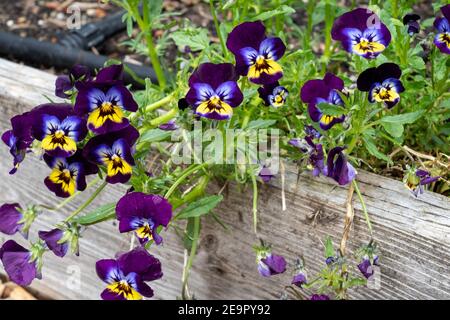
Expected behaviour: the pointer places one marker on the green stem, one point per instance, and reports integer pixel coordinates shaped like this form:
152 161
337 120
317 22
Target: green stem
188 266
88 201
217 26
153 106
363 205
255 203
164 118
186 174
192 195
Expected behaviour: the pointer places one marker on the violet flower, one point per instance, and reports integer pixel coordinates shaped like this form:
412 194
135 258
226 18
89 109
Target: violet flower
269 264
64 84
169 126
339 169
416 180
10 218
442 25
410 20
366 266
273 94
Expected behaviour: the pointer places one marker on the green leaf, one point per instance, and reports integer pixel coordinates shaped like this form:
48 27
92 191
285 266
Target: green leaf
372 148
416 62
102 213
155 135
403 118
329 250
331 109
200 207
261 124
196 39
394 129
282 10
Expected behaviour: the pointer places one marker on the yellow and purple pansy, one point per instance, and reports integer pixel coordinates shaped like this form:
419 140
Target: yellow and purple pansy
256 55
58 129
361 32
214 91
105 100
442 25
319 91
143 214
383 84
273 94
126 277
68 174
114 152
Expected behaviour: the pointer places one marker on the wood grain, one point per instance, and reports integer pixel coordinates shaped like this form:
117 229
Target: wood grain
413 234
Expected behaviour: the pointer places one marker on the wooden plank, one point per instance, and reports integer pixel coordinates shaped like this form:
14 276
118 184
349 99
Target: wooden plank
413 234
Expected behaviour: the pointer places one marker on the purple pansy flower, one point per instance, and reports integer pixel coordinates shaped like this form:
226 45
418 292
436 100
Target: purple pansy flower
382 83
415 180
105 99
65 83
312 132
169 126
269 264
339 169
361 32
143 213
317 297
52 239
10 218
265 174
315 152
318 91
214 91
21 265
366 266
58 129
114 151
256 55
410 20
273 94
442 25
127 275
68 174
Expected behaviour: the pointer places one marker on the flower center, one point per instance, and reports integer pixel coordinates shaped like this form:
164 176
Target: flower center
260 60
123 288
59 134
445 38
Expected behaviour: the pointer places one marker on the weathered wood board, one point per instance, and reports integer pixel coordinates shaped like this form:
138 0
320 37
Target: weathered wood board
413 234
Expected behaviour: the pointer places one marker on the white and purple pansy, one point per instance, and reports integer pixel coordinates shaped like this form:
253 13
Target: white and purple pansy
319 91
214 91
126 277
143 214
361 32
442 25
256 55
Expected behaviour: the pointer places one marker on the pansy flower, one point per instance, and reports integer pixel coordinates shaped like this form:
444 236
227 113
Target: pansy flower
60 239
256 55
416 180
214 91
319 91
127 275
315 152
339 169
383 84
18 139
273 94
68 174
114 151
171 125
21 265
366 266
361 32
58 129
143 214
10 218
442 25
411 21
64 84
105 100
269 264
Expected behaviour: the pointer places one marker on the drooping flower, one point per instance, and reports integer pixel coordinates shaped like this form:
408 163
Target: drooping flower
411 21
366 266
315 152
105 99
143 214
68 174
127 275
214 91
416 180
339 169
269 264
18 139
64 84
265 174
59 240
319 91
114 151
169 126
317 297
273 94
256 55
15 219
21 265
361 32
383 84
442 25
300 274
58 129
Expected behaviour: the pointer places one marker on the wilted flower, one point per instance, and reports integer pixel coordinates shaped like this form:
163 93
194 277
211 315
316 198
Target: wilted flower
169 126
319 91
127 275
415 180
214 91
58 240
361 32
366 266
269 264
22 265
265 174
316 154
410 20
256 55
339 169
68 174
64 84
14 219
273 94
114 151
105 99
442 25
300 274
382 83
143 214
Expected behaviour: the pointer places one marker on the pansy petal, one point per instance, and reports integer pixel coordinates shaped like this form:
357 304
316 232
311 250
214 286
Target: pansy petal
247 34
198 93
142 263
107 269
272 48
123 96
213 74
230 93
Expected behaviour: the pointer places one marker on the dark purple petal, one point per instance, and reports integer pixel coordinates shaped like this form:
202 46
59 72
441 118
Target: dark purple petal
366 268
9 218
275 263
230 93
169 126
62 85
110 295
446 11
213 74
339 169
265 174
110 74
272 48
373 75
107 269
429 180
247 34
144 289
299 279
16 261
317 297
142 263
51 238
